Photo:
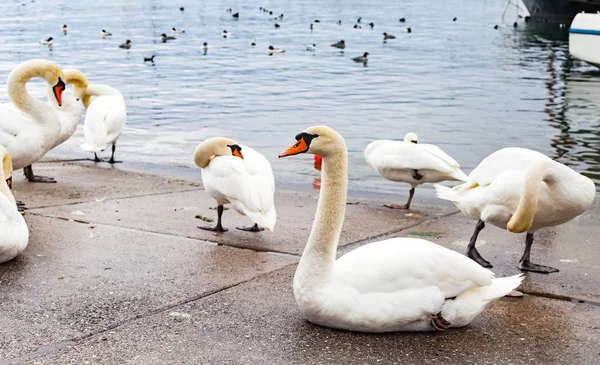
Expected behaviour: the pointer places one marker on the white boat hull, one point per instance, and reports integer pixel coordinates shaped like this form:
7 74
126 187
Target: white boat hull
584 38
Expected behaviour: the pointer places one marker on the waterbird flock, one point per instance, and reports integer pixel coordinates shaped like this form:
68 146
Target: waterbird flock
225 34
399 284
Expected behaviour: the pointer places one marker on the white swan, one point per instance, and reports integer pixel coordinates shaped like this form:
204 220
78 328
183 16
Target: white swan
14 234
104 120
522 191
400 284
31 129
70 112
237 175
411 162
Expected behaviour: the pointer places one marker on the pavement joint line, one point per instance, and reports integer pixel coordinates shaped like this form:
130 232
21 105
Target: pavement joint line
149 313
565 298
115 198
205 241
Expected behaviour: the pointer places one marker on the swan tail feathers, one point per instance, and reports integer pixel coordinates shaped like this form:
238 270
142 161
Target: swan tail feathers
265 219
446 193
469 304
93 148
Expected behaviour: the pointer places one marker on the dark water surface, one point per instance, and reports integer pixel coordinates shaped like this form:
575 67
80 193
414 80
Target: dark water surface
462 85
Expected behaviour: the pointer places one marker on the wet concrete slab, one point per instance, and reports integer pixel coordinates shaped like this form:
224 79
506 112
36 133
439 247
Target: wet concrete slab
258 323
77 183
573 248
181 213
145 286
74 280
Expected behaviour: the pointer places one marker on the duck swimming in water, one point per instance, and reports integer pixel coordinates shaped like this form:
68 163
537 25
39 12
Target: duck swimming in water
361 59
104 33
341 44
126 45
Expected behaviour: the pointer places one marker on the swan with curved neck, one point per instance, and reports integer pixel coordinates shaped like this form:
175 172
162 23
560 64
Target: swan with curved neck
104 120
30 134
14 234
70 112
411 162
520 190
237 175
400 284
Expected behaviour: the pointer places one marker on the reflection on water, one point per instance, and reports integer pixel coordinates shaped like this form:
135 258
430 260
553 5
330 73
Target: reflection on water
573 100
462 85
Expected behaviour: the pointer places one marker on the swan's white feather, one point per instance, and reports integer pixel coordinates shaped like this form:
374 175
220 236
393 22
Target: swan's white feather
247 184
14 234
396 161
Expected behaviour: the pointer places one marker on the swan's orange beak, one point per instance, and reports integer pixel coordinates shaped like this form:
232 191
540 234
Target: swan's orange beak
299 147
9 182
58 90
237 153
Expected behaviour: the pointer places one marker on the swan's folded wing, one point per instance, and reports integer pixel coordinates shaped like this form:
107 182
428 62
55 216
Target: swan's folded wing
262 181
115 117
437 152
403 156
407 263
229 175
511 158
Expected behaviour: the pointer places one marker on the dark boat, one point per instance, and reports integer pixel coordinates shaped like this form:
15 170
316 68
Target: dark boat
559 11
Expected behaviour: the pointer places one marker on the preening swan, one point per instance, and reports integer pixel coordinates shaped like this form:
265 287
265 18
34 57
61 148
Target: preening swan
237 175
522 191
400 284
32 128
104 120
70 112
411 162
14 234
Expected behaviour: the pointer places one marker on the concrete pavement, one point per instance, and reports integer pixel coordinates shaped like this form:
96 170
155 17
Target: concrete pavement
116 272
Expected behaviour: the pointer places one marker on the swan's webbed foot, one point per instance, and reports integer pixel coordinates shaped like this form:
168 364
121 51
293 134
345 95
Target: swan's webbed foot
438 322
21 206
254 228
474 255
41 179
396 206
218 228
32 178
112 160
405 206
527 265
416 175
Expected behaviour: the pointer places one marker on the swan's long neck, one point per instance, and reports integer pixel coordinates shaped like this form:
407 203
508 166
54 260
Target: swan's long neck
97 90
17 92
319 255
203 154
544 171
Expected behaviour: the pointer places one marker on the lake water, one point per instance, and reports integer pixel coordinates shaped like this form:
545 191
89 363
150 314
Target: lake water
462 85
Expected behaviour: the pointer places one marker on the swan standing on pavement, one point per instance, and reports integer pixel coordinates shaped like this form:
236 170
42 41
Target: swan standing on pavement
400 284
104 120
237 175
522 191
32 128
411 162
14 234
